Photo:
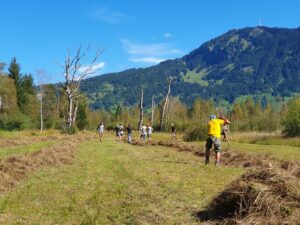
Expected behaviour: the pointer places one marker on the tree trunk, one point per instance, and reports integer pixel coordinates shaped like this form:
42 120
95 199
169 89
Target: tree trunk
153 110
0 102
70 101
141 110
41 111
75 112
165 104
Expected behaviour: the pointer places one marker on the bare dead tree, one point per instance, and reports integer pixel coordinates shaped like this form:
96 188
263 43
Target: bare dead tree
152 110
141 110
41 77
41 97
169 81
0 102
74 73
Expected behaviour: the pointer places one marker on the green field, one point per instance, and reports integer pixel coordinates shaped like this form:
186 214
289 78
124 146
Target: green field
118 183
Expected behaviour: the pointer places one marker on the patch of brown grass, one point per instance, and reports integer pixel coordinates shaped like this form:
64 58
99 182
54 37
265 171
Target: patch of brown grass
15 168
12 142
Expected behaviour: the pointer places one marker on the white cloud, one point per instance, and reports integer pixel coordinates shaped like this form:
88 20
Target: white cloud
168 35
147 60
158 49
148 53
94 69
107 15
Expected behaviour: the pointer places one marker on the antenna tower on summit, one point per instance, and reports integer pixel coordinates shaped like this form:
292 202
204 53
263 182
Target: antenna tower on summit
260 22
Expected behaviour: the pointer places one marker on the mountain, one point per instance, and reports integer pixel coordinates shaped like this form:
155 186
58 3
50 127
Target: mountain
249 61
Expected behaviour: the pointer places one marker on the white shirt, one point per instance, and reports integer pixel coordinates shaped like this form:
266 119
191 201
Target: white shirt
143 129
101 128
150 129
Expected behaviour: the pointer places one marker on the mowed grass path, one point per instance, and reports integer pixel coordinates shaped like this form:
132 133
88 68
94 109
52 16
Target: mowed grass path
116 183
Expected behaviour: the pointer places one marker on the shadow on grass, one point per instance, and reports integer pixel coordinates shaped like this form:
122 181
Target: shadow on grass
209 215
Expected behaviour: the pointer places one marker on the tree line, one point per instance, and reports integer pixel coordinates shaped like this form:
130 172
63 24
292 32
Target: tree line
22 103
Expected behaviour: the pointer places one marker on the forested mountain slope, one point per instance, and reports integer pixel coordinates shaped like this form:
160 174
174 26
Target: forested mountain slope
249 61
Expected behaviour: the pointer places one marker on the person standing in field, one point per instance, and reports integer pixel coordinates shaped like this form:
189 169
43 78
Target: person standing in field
225 130
100 130
214 137
143 133
173 131
129 133
117 130
121 132
149 131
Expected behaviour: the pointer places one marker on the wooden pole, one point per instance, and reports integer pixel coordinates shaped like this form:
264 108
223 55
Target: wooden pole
153 110
141 110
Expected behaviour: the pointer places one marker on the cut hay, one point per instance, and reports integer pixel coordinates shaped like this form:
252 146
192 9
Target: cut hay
266 195
15 168
292 167
13 142
260 196
229 158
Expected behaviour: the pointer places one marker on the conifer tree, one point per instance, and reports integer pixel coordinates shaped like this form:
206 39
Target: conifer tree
14 72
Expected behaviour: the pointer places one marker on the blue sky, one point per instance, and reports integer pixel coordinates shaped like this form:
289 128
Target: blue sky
133 33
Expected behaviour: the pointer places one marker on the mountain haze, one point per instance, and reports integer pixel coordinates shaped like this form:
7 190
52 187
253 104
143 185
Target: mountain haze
249 61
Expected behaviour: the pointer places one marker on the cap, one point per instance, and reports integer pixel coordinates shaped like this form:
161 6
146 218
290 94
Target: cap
212 117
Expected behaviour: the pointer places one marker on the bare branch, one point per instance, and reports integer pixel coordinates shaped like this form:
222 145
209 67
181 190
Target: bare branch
60 64
90 70
74 74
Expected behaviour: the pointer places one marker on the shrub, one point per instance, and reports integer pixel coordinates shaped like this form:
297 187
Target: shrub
14 120
67 130
196 134
291 121
72 130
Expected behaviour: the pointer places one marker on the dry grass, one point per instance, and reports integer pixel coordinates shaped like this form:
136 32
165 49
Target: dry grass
27 133
264 138
15 168
25 149
8 142
259 197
